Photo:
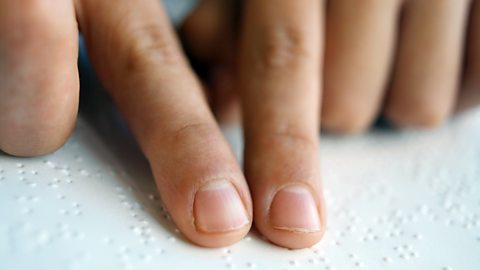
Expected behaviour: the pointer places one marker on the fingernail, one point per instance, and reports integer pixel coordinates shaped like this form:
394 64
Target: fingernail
219 208
294 209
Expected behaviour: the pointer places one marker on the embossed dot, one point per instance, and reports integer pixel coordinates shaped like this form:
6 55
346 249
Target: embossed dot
84 172
136 230
294 263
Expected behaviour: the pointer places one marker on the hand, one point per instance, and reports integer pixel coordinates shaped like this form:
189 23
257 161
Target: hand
415 62
137 56
138 59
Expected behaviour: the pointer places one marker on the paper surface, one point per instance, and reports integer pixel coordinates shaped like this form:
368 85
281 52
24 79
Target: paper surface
396 200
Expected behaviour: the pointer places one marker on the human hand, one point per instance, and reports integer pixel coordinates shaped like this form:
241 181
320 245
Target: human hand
139 61
414 62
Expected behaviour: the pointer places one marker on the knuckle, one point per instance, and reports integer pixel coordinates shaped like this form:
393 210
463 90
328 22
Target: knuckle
292 137
148 45
197 129
35 6
284 47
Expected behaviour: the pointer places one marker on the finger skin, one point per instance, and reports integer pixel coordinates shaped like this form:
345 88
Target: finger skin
426 74
38 75
360 37
134 51
470 92
279 65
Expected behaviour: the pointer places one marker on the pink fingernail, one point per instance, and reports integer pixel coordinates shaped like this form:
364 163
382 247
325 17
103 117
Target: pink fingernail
294 209
219 208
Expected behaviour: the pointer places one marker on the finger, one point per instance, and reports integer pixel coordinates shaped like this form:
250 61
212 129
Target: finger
279 78
470 93
38 75
209 35
360 39
209 30
426 75
134 50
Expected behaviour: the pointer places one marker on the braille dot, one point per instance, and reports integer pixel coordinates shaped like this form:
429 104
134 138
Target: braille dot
50 163
53 185
43 238
136 230
146 257
329 267
159 250
84 172
33 199
294 263
359 264
387 259
417 236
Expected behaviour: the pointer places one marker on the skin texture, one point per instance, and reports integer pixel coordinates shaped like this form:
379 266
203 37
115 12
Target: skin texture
287 69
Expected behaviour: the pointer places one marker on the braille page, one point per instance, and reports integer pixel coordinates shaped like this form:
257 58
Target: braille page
396 200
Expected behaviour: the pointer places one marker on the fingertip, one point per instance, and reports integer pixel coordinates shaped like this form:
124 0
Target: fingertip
295 219
218 212
218 208
220 239
39 120
222 214
425 116
34 140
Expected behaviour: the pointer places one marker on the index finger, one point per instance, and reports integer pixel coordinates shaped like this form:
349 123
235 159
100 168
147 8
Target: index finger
134 49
